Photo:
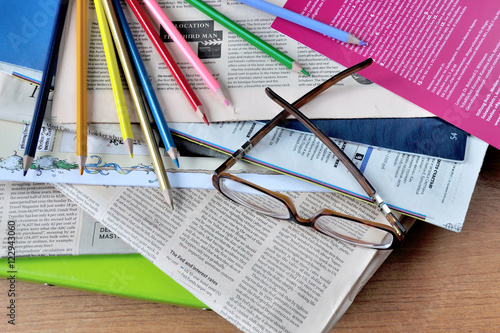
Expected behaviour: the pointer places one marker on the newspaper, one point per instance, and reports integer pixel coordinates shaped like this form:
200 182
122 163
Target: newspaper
47 223
108 163
242 70
261 274
431 189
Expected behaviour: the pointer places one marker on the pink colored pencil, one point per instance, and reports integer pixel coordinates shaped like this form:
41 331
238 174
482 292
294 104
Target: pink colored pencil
168 59
186 49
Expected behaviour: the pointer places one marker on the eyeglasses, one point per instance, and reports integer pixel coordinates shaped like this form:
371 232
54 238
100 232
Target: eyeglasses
330 223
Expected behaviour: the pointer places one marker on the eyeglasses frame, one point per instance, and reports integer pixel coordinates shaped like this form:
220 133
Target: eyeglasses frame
396 228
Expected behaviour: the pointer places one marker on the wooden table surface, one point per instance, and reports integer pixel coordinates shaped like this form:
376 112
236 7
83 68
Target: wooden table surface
438 281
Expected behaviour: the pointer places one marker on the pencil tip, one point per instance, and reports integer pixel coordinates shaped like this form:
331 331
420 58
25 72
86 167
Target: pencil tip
80 160
27 160
173 153
297 68
129 143
351 39
167 194
200 112
220 95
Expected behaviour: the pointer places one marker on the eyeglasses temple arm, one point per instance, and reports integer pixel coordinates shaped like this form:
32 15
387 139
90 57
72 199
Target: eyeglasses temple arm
325 139
365 184
283 114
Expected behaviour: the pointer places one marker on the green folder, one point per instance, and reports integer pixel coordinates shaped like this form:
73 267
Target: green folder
125 275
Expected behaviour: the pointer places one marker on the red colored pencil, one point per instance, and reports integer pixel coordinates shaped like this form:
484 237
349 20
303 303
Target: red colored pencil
168 59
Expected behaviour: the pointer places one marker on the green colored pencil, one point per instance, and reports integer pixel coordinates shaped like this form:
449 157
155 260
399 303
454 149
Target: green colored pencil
248 36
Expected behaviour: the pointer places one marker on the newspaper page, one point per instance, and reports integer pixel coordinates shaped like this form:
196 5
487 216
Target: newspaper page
108 163
242 70
17 104
431 189
261 274
47 223
18 99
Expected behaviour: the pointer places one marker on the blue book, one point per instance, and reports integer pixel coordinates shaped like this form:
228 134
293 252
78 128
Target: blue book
25 32
427 136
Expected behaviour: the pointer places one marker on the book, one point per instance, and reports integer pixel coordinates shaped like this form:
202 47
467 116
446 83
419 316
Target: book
429 136
124 275
25 34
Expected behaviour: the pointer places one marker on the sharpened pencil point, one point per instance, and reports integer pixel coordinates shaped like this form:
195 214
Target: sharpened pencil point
351 39
81 163
27 160
221 96
129 143
200 112
167 194
173 153
297 68
205 120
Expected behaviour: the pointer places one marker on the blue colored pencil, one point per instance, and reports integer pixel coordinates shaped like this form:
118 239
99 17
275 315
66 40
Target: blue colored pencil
304 21
147 87
45 85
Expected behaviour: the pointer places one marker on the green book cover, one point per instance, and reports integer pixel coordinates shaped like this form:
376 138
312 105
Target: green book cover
126 275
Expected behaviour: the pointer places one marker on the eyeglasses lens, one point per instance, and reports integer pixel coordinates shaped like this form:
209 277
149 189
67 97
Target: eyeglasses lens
254 199
339 227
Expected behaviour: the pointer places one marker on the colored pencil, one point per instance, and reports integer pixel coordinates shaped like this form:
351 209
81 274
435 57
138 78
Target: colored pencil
81 84
147 87
304 21
45 85
248 36
186 49
168 59
140 107
114 76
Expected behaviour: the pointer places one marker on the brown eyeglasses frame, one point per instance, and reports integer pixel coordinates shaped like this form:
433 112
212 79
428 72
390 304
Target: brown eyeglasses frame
397 230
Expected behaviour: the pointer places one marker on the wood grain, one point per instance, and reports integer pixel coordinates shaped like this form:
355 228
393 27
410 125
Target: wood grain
438 281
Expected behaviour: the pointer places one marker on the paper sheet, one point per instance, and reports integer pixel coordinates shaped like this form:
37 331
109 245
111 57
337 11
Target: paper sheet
110 164
242 70
430 189
47 223
259 273
440 55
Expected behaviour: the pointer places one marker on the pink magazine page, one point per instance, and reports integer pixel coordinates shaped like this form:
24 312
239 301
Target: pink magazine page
441 55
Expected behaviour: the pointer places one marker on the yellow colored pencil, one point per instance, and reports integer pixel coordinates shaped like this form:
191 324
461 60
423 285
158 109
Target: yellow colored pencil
142 111
114 75
81 84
